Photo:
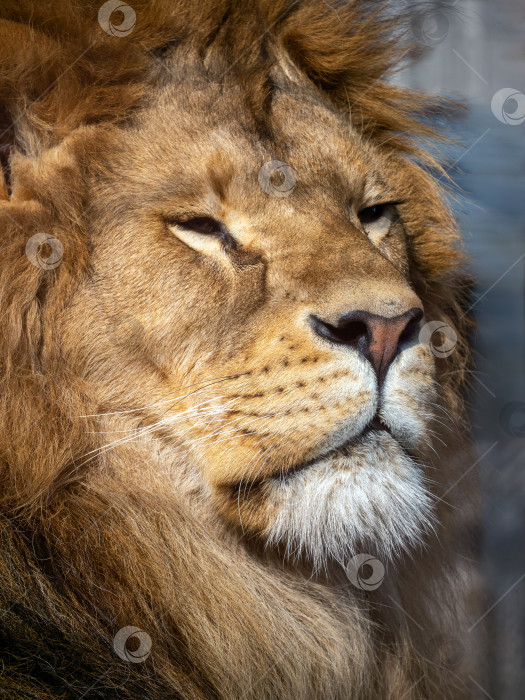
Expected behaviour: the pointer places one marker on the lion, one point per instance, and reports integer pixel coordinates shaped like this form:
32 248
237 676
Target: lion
234 454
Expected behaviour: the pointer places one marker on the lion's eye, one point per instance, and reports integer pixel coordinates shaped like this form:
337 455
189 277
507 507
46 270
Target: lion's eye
203 233
376 220
371 214
202 224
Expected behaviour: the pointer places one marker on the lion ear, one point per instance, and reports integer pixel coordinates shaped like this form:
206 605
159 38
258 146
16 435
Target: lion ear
25 54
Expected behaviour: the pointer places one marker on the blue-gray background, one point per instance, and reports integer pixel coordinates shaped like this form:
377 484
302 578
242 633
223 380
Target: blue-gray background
478 49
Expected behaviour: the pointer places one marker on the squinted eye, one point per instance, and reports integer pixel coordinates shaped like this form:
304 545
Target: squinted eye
202 233
201 224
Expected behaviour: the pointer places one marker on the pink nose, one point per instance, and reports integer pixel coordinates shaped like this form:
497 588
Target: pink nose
377 338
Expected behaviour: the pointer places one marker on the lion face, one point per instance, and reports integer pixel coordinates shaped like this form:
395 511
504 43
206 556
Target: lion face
260 287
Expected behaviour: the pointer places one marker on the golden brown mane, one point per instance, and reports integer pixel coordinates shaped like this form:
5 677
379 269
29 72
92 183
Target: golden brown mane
86 552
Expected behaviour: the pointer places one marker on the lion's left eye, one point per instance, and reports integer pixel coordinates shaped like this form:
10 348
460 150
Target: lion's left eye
370 215
377 219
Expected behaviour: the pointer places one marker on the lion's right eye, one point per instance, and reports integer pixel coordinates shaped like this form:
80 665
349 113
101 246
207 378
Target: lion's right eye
202 224
202 233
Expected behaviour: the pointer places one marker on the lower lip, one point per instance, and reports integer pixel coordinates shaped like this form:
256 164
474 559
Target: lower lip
369 430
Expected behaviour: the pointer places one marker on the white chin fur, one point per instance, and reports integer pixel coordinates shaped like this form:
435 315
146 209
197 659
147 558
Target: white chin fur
371 500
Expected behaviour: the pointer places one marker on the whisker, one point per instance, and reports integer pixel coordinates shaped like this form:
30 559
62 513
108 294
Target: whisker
211 382
140 432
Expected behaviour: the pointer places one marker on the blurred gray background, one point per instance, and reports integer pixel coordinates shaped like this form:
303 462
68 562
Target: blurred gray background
477 53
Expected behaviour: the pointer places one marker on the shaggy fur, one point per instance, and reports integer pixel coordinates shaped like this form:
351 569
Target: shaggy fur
393 509
177 449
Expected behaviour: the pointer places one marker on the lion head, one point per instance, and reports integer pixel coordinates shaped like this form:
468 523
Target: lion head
273 322
224 270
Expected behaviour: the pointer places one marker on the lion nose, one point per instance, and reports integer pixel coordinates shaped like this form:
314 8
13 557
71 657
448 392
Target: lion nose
377 338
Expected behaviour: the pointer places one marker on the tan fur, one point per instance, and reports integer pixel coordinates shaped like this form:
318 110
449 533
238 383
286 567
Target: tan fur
155 386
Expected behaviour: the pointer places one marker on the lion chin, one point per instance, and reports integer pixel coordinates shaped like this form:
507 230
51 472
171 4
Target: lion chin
368 497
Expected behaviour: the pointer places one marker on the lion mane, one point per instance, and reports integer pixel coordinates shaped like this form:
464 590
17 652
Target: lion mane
87 549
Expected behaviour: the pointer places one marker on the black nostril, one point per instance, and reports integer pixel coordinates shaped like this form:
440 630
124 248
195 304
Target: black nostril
345 334
412 327
351 333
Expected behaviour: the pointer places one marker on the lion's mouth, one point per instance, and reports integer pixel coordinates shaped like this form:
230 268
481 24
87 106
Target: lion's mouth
374 428
375 424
